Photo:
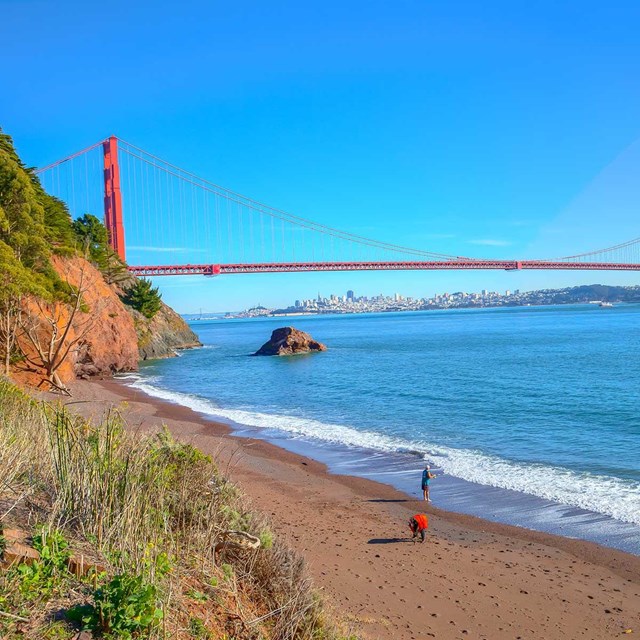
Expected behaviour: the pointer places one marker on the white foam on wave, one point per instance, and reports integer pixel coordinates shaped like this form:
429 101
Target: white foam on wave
610 496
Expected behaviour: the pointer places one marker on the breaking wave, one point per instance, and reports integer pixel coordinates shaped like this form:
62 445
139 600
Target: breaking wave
614 497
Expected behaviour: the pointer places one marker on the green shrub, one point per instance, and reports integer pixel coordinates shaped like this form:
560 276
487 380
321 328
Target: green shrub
266 539
53 547
197 629
125 607
42 577
228 572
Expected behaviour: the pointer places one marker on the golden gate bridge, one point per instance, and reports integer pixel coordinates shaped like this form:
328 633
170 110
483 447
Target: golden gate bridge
192 226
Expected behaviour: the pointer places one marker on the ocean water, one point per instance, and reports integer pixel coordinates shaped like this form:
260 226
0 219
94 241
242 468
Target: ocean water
530 415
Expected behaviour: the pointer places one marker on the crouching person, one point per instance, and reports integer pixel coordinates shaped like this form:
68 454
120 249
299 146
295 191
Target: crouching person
419 525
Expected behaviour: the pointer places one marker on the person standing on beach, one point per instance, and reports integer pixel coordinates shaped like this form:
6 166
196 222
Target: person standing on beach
418 525
426 479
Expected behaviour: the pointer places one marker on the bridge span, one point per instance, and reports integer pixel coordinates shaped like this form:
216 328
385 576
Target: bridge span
180 224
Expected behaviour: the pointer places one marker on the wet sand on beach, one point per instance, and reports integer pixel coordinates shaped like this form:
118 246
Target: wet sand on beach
471 579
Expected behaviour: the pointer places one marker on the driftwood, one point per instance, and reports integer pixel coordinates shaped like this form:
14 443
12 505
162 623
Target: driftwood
237 541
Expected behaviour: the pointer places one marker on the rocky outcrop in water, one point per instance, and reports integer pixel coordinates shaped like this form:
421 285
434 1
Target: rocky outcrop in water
288 341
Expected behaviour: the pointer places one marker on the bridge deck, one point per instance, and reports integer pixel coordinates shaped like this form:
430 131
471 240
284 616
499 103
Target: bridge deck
507 265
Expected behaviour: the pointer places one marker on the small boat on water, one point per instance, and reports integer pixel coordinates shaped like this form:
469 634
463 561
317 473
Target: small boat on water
606 304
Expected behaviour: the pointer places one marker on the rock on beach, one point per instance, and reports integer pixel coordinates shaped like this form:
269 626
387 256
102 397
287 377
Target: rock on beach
287 341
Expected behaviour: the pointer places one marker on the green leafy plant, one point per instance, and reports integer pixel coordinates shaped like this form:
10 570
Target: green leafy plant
266 539
41 577
143 297
197 595
124 607
197 628
53 547
228 572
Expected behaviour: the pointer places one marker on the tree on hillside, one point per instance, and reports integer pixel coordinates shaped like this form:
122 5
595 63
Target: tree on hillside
41 313
21 215
32 222
92 234
57 222
94 238
143 298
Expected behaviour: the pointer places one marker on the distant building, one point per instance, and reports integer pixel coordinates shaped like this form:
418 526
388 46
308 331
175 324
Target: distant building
350 295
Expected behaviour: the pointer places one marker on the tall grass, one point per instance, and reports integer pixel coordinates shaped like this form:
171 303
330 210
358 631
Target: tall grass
152 507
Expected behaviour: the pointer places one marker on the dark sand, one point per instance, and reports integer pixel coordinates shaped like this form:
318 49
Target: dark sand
471 579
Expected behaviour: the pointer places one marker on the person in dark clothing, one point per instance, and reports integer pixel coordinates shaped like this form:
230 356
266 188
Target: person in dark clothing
426 480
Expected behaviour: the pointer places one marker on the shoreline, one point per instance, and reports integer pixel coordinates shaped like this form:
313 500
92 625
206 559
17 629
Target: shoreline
346 526
401 468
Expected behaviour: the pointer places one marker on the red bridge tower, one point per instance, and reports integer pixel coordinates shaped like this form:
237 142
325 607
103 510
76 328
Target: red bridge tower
113 197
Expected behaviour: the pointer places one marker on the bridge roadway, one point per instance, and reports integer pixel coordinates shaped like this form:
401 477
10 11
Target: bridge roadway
287 267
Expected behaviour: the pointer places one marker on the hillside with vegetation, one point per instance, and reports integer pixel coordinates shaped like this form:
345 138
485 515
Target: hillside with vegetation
129 536
68 306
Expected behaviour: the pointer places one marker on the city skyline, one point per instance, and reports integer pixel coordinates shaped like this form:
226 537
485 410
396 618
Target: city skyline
350 302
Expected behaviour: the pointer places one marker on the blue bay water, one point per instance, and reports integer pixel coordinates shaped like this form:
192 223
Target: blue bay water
540 403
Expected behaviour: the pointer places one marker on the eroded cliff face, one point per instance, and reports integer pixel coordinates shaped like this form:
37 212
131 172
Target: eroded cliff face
163 335
100 341
105 337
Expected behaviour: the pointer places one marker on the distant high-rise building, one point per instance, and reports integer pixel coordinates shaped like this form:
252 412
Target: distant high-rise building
485 292
350 295
507 293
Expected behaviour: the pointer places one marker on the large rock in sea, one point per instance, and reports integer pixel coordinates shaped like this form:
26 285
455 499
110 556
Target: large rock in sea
288 341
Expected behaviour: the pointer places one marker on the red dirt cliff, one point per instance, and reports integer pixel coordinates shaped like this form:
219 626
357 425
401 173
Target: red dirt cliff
109 336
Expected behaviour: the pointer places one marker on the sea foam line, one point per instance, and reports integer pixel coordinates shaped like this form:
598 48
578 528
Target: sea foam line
607 495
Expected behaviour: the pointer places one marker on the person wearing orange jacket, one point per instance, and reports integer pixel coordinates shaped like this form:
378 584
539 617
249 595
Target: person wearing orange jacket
419 525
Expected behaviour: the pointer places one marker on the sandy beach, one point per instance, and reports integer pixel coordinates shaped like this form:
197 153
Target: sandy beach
471 579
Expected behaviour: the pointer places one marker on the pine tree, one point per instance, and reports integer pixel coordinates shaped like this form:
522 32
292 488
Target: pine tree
143 298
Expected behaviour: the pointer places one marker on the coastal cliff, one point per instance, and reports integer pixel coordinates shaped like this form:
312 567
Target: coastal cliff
106 336
163 335
110 344
68 306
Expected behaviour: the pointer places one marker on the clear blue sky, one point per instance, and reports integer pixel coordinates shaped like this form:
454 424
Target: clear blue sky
497 128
